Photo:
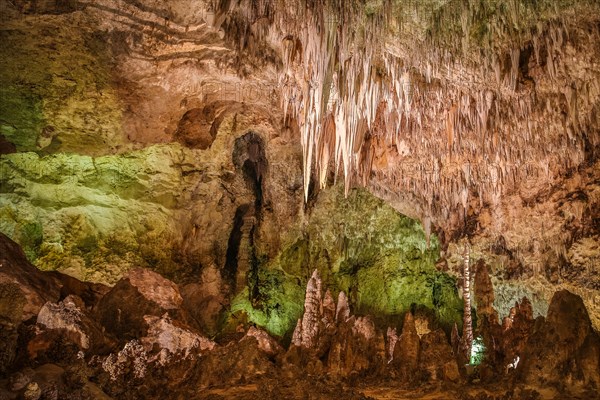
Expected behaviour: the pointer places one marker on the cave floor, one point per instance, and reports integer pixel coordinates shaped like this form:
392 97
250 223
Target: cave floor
302 390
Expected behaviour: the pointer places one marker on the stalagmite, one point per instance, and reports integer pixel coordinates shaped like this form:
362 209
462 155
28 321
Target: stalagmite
467 337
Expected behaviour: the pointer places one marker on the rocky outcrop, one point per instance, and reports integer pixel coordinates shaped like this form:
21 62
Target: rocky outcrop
26 292
25 288
171 339
266 342
563 349
436 359
69 317
124 310
407 350
236 363
351 345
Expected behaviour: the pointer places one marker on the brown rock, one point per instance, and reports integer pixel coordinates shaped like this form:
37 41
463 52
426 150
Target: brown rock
171 339
517 328
484 293
140 293
266 342
68 317
564 348
407 350
204 301
238 362
437 361
356 348
39 287
194 128
35 286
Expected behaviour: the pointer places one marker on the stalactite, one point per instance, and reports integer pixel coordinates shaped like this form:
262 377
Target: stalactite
354 82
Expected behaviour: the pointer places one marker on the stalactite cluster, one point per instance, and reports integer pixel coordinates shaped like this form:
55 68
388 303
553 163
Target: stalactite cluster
453 101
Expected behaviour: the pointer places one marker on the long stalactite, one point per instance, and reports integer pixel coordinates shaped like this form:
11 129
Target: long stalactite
433 93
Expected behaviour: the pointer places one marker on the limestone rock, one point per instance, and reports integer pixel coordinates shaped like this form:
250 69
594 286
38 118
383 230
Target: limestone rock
205 300
194 128
356 348
392 338
312 311
564 348
517 328
236 363
484 293
407 350
170 339
437 360
328 308
68 317
35 287
131 362
266 343
342 312
140 293
32 392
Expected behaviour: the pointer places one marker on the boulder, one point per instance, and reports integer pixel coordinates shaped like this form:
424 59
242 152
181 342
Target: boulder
70 318
236 363
123 310
25 291
18 275
266 342
171 339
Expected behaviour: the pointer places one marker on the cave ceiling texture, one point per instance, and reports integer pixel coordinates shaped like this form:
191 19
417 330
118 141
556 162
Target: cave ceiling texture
221 151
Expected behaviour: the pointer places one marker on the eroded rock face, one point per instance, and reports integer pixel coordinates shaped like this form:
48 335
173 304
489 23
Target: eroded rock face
194 129
205 300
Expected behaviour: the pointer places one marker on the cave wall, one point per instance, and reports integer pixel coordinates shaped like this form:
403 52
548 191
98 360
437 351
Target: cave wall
382 260
166 207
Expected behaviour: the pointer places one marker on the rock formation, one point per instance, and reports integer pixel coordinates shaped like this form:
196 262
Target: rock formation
563 349
352 345
141 293
188 186
407 350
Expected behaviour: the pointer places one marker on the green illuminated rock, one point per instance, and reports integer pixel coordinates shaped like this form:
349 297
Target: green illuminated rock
363 247
56 89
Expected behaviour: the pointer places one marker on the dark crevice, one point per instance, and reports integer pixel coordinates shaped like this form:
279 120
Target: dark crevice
233 244
250 159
